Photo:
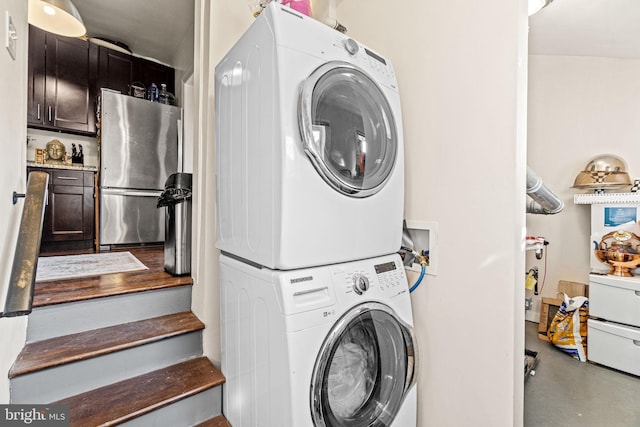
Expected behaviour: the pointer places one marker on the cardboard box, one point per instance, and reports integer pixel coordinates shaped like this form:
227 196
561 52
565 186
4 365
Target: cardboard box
572 289
550 307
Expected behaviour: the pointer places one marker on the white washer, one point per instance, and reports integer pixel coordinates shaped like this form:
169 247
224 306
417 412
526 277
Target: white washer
309 146
329 346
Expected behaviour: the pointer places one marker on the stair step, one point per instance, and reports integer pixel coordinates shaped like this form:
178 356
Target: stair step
62 319
219 421
124 346
186 412
53 352
123 401
61 291
92 287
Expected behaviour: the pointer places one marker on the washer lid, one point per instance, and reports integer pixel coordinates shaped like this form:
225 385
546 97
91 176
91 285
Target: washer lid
364 369
347 129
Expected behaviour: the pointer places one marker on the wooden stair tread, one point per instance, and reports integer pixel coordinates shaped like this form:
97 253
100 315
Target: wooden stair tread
131 398
219 421
84 345
86 288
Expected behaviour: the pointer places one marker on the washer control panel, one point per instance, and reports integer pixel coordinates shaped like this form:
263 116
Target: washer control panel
385 277
360 283
390 275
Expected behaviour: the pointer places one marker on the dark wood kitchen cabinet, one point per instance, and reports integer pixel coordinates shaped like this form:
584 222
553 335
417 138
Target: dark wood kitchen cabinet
65 75
153 72
62 73
69 219
117 70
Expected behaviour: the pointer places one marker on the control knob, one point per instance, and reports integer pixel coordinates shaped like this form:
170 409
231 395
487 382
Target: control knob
351 46
360 284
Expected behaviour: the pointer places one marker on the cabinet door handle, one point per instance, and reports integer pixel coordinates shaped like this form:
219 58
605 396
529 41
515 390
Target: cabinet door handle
49 112
38 111
638 293
636 343
68 178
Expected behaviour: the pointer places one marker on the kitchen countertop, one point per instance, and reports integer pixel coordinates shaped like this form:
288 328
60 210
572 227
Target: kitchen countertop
62 166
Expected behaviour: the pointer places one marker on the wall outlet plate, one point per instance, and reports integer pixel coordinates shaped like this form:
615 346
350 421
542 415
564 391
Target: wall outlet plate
528 303
11 35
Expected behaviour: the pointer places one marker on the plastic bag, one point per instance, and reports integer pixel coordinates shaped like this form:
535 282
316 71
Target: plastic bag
568 329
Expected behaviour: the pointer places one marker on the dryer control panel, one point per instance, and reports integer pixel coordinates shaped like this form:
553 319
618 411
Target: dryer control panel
372 63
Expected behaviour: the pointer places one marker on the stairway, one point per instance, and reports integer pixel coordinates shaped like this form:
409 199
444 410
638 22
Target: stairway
119 349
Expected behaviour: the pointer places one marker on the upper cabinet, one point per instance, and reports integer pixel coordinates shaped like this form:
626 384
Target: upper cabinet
66 75
61 82
153 72
118 70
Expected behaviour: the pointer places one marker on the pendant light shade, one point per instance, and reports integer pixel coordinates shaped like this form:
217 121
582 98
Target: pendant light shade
56 16
536 5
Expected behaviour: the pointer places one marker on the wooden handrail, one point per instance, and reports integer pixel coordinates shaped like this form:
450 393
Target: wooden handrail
25 261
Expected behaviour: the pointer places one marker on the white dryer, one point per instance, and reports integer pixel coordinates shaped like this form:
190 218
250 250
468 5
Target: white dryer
329 346
309 146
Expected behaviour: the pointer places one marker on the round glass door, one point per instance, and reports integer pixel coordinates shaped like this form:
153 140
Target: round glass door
348 129
364 369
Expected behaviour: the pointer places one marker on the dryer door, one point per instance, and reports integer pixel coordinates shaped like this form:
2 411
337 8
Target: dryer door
364 369
348 129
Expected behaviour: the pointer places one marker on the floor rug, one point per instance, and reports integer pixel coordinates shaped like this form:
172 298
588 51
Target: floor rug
73 266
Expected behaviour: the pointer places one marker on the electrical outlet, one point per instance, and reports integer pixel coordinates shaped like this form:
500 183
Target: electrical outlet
11 35
425 238
528 303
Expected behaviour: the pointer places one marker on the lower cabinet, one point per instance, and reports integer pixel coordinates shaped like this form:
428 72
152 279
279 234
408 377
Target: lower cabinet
614 326
614 345
69 220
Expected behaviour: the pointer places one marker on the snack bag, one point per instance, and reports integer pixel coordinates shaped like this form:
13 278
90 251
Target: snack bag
568 329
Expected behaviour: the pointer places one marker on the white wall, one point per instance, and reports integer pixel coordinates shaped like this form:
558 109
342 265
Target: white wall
183 62
579 107
189 110
13 123
461 68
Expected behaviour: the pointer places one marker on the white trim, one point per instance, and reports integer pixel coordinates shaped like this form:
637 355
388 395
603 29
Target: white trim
595 199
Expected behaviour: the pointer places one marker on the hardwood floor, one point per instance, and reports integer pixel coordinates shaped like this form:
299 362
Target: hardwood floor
62 291
219 421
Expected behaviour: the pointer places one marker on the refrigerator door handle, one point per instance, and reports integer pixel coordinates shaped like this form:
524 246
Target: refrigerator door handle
124 192
180 147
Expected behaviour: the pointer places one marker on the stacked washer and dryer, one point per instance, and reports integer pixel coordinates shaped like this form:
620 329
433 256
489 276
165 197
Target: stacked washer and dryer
316 318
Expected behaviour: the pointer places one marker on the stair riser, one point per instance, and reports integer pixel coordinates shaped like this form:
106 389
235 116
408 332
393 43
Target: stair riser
60 382
64 319
186 412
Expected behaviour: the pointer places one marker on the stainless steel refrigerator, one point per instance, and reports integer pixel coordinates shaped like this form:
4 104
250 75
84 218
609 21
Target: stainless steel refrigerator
140 146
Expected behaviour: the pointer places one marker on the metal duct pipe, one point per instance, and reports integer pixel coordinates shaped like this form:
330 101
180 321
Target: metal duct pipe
544 201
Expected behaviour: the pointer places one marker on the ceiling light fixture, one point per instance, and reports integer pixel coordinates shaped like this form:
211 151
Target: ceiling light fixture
56 16
536 5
